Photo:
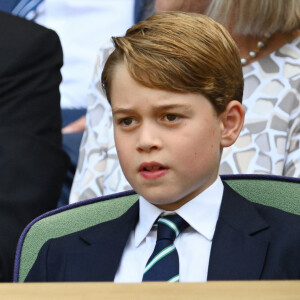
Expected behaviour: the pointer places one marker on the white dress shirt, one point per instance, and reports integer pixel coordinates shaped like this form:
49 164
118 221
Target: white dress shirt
193 245
83 27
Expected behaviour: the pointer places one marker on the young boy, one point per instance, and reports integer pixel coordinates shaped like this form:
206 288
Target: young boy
175 86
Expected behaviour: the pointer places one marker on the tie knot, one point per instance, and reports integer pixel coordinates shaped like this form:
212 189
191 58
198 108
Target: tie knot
170 226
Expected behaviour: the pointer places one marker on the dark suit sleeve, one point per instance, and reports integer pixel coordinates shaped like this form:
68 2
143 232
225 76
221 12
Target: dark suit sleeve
32 162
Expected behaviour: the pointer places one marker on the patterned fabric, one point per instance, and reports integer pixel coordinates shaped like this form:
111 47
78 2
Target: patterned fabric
268 144
269 141
163 264
98 170
26 8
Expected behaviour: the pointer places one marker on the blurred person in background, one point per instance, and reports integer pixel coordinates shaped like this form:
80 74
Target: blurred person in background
32 162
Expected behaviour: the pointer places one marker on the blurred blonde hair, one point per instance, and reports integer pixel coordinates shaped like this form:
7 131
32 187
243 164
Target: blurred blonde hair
180 52
256 17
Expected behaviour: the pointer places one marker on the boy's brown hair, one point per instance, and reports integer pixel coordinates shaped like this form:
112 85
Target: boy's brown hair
180 52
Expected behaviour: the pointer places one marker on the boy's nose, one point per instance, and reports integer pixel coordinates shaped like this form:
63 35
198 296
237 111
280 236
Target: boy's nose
148 139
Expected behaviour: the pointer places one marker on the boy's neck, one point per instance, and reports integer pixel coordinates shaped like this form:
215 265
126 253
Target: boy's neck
176 205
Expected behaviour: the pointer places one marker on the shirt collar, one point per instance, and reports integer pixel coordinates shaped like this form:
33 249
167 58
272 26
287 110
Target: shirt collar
201 213
147 217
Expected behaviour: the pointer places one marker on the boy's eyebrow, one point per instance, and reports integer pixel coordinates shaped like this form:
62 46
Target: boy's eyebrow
159 107
171 106
122 110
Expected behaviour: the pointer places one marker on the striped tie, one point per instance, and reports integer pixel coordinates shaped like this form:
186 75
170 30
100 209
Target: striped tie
27 8
163 264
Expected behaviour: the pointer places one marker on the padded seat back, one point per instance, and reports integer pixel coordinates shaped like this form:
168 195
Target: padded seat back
279 192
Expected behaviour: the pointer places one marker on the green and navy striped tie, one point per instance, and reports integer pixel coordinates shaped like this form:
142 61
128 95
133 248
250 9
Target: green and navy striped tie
163 264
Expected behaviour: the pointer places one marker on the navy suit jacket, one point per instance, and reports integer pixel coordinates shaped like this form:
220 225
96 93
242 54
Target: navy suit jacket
251 242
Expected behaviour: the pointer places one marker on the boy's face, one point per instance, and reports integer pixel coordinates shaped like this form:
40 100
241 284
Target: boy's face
169 144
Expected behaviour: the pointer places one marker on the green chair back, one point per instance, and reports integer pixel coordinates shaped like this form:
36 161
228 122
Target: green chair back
279 192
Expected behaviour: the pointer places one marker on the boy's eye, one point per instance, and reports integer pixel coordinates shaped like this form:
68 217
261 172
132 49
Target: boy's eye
127 121
171 117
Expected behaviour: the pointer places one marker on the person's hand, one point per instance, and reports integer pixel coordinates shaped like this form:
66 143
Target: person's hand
76 126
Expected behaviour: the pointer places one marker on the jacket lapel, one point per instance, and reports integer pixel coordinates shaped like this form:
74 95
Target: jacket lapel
240 241
102 247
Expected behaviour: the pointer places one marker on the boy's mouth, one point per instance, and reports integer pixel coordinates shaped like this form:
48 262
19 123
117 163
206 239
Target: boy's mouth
151 166
152 170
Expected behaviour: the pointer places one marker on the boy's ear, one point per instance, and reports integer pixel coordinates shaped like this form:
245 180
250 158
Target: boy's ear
232 120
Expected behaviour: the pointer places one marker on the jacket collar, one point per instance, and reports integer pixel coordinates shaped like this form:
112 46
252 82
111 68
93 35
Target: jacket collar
240 241
101 251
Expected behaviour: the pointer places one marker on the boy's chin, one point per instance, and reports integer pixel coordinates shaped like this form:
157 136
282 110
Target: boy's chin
167 203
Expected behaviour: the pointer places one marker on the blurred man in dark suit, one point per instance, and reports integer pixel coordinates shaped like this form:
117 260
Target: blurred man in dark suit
32 162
